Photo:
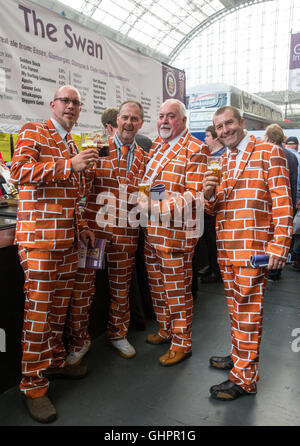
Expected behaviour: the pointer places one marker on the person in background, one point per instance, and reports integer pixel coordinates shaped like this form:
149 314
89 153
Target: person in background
253 211
274 134
122 170
178 161
292 144
52 177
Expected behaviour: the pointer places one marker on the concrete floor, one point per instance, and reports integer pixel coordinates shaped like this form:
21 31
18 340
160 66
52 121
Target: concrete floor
139 392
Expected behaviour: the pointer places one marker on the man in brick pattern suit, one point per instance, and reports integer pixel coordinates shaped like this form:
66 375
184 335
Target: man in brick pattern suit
116 175
49 172
178 161
253 217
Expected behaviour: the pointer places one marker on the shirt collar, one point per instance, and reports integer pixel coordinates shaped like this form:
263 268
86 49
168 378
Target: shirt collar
119 144
242 144
60 130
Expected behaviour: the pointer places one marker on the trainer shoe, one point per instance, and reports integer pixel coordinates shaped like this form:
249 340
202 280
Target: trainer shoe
126 350
75 358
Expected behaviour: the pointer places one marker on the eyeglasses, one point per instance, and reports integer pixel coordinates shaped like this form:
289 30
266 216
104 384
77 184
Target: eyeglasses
67 101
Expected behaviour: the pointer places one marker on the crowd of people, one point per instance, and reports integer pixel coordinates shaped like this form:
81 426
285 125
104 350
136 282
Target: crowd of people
249 211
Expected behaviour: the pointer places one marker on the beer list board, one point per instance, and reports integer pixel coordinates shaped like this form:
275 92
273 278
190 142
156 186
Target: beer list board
41 50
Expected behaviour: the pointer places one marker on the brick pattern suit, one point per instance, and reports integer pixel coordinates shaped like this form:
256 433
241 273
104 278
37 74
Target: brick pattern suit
169 250
122 242
253 216
47 223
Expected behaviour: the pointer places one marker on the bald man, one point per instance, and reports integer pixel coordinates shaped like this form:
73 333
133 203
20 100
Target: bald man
51 176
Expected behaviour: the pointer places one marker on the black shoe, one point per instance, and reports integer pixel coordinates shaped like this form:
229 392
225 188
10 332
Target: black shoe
221 362
212 278
227 391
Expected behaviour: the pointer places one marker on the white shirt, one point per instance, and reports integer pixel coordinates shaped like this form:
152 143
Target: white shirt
241 149
61 131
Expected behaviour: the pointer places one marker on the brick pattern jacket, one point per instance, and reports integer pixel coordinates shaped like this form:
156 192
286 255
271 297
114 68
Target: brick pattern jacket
181 171
254 209
49 192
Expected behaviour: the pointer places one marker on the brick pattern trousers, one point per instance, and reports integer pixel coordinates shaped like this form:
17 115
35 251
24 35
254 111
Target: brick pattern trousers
244 290
49 279
81 301
120 268
170 278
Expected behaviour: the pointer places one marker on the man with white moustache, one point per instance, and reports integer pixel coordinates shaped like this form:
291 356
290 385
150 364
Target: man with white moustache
178 161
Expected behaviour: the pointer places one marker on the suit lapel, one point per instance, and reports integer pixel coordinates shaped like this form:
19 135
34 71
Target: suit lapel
59 142
243 163
133 173
171 154
113 158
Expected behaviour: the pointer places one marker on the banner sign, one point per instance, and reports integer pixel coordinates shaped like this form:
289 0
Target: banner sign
294 75
41 50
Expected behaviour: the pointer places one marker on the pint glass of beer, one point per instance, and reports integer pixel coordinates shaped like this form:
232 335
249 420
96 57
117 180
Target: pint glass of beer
144 188
103 143
89 140
214 165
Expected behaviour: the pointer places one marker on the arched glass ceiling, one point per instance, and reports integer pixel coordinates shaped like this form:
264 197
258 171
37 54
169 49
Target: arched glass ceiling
249 48
158 24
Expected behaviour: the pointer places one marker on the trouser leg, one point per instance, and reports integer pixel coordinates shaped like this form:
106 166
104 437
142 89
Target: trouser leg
81 301
120 266
170 277
49 279
244 289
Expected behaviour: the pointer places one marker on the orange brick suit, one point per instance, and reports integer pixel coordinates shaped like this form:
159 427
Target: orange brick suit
122 241
253 216
169 249
47 223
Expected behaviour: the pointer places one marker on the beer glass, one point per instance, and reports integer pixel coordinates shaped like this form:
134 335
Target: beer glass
144 188
214 165
96 140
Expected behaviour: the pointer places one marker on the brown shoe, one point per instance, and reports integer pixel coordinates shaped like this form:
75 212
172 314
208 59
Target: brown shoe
156 339
173 357
68 372
40 409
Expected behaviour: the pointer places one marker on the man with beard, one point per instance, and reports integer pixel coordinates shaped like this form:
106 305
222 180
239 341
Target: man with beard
178 161
49 172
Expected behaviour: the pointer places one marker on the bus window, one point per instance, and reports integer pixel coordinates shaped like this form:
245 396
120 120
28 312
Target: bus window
235 100
207 100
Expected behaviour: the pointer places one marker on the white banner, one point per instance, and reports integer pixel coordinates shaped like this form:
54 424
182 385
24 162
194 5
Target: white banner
41 50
